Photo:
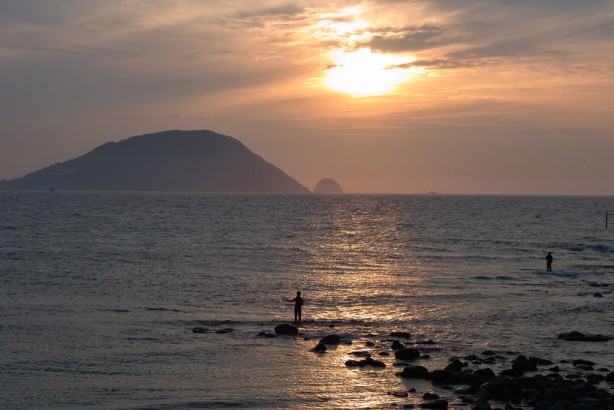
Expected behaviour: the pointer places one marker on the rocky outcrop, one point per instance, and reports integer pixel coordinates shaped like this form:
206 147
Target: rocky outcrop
328 186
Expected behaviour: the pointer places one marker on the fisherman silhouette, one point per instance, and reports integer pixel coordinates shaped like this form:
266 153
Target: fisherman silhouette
298 304
549 260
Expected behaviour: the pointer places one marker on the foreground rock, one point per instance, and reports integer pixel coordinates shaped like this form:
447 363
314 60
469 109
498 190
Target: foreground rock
552 391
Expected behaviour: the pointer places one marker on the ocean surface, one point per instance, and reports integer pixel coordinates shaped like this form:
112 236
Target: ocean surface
100 293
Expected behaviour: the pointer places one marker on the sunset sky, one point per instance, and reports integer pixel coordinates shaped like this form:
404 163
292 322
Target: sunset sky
453 96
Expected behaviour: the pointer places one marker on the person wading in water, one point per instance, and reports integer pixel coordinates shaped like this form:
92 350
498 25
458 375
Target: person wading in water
298 304
549 260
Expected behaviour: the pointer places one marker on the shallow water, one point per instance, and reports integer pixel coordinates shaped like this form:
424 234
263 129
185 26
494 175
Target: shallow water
100 292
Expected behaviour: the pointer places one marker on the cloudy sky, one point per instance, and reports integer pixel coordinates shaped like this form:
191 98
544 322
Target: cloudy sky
454 96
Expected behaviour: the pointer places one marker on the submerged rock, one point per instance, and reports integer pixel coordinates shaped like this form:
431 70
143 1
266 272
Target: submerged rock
402 335
435 404
320 348
407 354
286 329
331 340
371 362
199 329
575 336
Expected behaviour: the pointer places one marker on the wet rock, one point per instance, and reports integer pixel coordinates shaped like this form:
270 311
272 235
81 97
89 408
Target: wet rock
576 336
522 364
467 400
595 378
610 377
198 329
286 329
512 373
398 393
503 388
425 342
226 330
319 348
402 335
331 340
407 354
481 404
414 372
480 376
352 363
443 376
371 362
464 391
557 394
430 396
266 334
435 404
488 353
361 353
540 362
455 366
583 364
598 295
369 344
554 369
396 345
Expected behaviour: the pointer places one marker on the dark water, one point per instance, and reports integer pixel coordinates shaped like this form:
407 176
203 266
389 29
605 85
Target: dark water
100 292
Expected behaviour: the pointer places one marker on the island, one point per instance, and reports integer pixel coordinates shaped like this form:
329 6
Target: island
328 186
200 160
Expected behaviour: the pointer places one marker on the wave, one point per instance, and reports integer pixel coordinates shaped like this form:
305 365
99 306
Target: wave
604 248
560 273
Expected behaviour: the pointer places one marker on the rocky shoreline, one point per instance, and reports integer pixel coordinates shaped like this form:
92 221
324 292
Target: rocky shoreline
470 381
479 381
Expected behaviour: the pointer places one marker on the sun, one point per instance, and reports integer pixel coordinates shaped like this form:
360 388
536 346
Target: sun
363 73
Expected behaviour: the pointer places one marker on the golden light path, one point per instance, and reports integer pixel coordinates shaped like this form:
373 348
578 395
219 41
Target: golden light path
363 73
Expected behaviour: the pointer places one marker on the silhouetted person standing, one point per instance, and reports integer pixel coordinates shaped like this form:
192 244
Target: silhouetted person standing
549 260
298 304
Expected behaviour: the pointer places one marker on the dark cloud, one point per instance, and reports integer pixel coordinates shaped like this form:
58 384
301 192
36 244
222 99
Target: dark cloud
410 39
284 11
479 33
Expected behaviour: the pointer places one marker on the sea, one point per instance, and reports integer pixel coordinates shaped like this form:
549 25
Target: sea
101 291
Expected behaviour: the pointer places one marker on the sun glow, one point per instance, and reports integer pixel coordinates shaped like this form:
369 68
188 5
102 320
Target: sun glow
363 73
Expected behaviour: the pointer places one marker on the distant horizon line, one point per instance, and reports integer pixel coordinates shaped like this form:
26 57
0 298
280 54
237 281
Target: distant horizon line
434 194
